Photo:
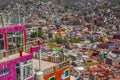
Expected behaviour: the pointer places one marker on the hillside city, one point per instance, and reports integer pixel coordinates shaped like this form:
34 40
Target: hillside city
59 39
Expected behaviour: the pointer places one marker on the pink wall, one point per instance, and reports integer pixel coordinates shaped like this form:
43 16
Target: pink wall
34 49
31 78
12 67
12 29
12 63
2 30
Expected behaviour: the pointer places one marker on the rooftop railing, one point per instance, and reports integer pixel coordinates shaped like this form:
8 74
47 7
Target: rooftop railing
2 54
33 43
25 49
55 59
56 68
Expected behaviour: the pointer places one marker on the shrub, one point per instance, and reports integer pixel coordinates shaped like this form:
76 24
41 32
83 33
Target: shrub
58 41
74 40
34 34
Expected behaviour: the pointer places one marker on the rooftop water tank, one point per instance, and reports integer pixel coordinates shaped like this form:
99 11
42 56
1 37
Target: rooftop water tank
39 76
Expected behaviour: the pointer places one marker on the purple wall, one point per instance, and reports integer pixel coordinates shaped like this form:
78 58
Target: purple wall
12 67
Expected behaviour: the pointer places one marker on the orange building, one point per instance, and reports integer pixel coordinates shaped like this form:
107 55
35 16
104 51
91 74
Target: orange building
53 67
63 74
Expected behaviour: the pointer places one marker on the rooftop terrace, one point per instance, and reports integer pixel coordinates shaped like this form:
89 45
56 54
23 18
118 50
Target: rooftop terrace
15 53
50 64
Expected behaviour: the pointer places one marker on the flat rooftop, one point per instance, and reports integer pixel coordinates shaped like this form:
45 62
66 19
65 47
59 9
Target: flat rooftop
44 64
12 57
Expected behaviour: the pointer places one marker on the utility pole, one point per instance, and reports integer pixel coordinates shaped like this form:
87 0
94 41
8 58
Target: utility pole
39 52
18 6
40 59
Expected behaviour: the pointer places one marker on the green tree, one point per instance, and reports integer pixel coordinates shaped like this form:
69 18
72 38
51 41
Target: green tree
3 7
74 40
58 41
37 33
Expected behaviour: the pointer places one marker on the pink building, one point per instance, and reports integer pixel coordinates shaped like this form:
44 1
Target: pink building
16 54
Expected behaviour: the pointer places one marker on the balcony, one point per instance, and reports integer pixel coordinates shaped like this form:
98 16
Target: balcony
15 53
29 45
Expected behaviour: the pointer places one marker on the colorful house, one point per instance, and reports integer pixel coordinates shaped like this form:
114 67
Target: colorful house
53 67
16 54
113 57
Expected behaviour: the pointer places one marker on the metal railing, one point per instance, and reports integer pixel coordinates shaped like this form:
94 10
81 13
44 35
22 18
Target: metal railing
2 54
13 51
62 65
17 50
56 68
26 48
32 43
48 71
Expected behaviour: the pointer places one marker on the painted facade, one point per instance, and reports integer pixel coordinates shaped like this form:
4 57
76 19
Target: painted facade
16 64
58 74
11 66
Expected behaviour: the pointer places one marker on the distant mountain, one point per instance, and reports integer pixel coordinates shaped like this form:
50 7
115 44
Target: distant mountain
115 1
8 1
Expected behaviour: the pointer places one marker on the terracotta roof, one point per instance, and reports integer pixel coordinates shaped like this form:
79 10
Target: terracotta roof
103 45
117 65
95 69
116 36
116 79
116 51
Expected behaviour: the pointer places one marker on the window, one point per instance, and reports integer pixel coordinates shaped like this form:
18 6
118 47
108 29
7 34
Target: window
15 41
18 71
24 69
1 42
4 72
66 74
16 38
27 69
2 51
52 78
